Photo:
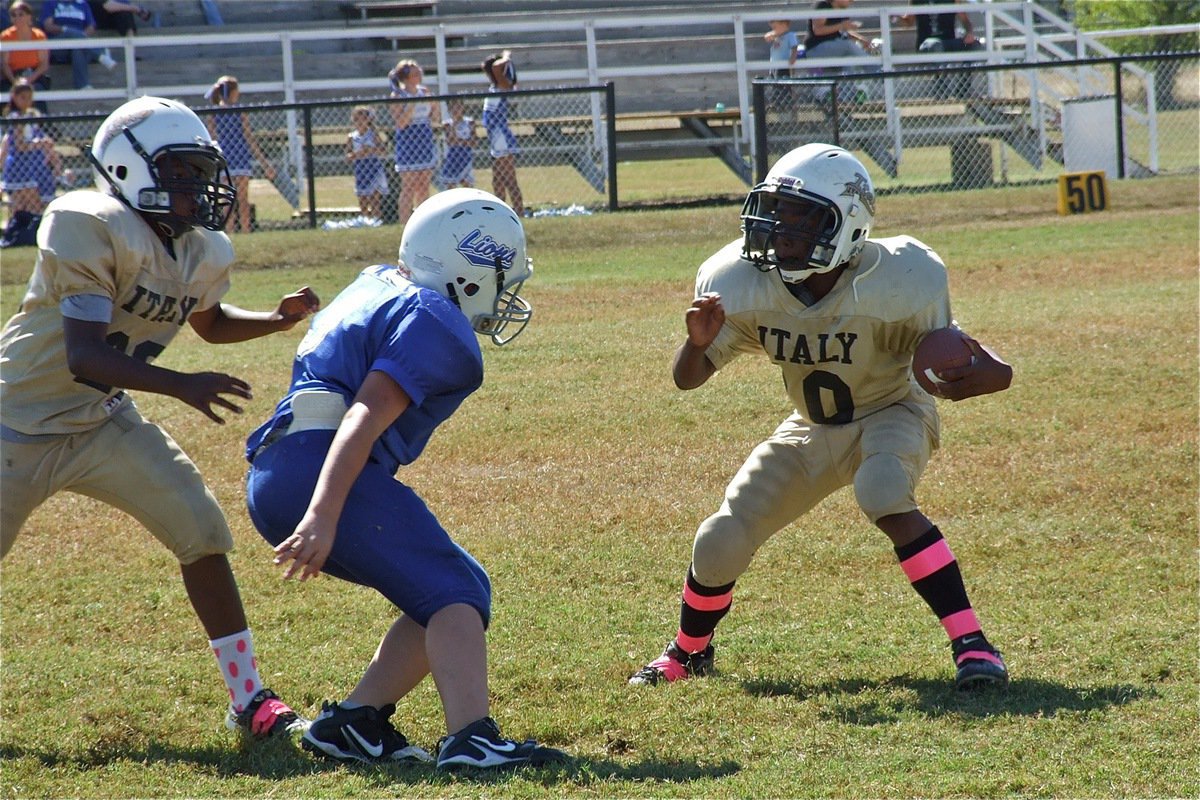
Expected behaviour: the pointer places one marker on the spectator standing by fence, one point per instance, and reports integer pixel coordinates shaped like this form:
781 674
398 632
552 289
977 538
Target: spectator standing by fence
231 128
502 143
365 149
32 65
31 164
416 153
72 19
458 164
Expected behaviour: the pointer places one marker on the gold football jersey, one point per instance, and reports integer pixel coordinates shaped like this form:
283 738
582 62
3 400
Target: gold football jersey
849 354
90 243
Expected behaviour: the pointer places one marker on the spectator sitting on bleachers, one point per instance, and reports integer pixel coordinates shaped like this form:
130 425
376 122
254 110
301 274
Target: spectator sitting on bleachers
72 19
783 42
834 37
937 33
118 16
830 37
32 65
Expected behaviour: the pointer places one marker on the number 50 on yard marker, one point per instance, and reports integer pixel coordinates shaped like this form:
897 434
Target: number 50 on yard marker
1082 191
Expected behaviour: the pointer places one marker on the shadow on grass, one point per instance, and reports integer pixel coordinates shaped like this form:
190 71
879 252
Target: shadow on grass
280 760
272 759
871 702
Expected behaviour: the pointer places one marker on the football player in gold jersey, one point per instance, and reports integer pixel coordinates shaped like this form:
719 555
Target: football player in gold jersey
841 316
119 271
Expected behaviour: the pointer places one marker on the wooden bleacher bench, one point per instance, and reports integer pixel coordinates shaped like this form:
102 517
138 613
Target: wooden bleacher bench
715 131
960 124
360 12
374 9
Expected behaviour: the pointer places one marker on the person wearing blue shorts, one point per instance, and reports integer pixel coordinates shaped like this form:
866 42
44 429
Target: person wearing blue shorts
30 163
390 359
366 149
231 128
458 163
501 140
415 120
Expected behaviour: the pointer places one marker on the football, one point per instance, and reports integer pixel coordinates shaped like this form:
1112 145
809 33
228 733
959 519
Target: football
941 349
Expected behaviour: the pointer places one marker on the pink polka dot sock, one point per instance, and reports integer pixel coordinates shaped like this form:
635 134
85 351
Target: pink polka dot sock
239 667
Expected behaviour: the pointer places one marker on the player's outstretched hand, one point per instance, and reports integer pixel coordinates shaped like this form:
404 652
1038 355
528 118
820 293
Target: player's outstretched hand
203 390
704 320
297 306
307 547
986 375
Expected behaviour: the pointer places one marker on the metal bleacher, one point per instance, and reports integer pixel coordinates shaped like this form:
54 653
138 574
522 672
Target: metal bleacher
682 69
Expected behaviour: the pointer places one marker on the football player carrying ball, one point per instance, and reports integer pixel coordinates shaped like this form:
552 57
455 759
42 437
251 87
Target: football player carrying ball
841 315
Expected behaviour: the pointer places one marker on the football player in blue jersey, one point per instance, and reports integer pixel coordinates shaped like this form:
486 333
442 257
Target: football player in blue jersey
390 359
841 316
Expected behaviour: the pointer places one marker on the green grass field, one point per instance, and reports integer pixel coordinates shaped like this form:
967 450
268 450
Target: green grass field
577 475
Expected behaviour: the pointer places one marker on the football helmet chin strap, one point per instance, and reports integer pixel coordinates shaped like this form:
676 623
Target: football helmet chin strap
155 203
809 240
817 197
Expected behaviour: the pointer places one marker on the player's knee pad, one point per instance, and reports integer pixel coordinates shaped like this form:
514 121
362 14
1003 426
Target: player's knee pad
722 550
470 586
883 486
482 596
191 536
210 540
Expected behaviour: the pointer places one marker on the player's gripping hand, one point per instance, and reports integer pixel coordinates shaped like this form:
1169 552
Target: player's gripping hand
204 390
704 320
307 547
297 306
986 375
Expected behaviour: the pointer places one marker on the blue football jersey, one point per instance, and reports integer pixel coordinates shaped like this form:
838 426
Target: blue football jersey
382 321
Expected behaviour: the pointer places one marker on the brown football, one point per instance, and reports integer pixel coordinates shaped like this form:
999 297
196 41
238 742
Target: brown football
941 349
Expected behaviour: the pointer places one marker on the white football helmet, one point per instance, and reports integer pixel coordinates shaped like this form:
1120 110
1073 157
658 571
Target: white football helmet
837 200
469 246
126 153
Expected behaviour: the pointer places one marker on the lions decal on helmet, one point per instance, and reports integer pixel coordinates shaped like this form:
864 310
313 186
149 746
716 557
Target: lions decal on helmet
469 246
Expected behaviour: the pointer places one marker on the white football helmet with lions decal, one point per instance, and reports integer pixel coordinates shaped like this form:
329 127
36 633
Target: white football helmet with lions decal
469 246
127 153
837 201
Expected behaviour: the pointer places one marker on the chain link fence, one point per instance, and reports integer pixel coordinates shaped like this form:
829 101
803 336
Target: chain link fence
301 169
560 154
923 130
975 126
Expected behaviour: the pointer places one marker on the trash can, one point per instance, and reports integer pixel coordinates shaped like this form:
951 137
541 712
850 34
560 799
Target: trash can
390 205
971 163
